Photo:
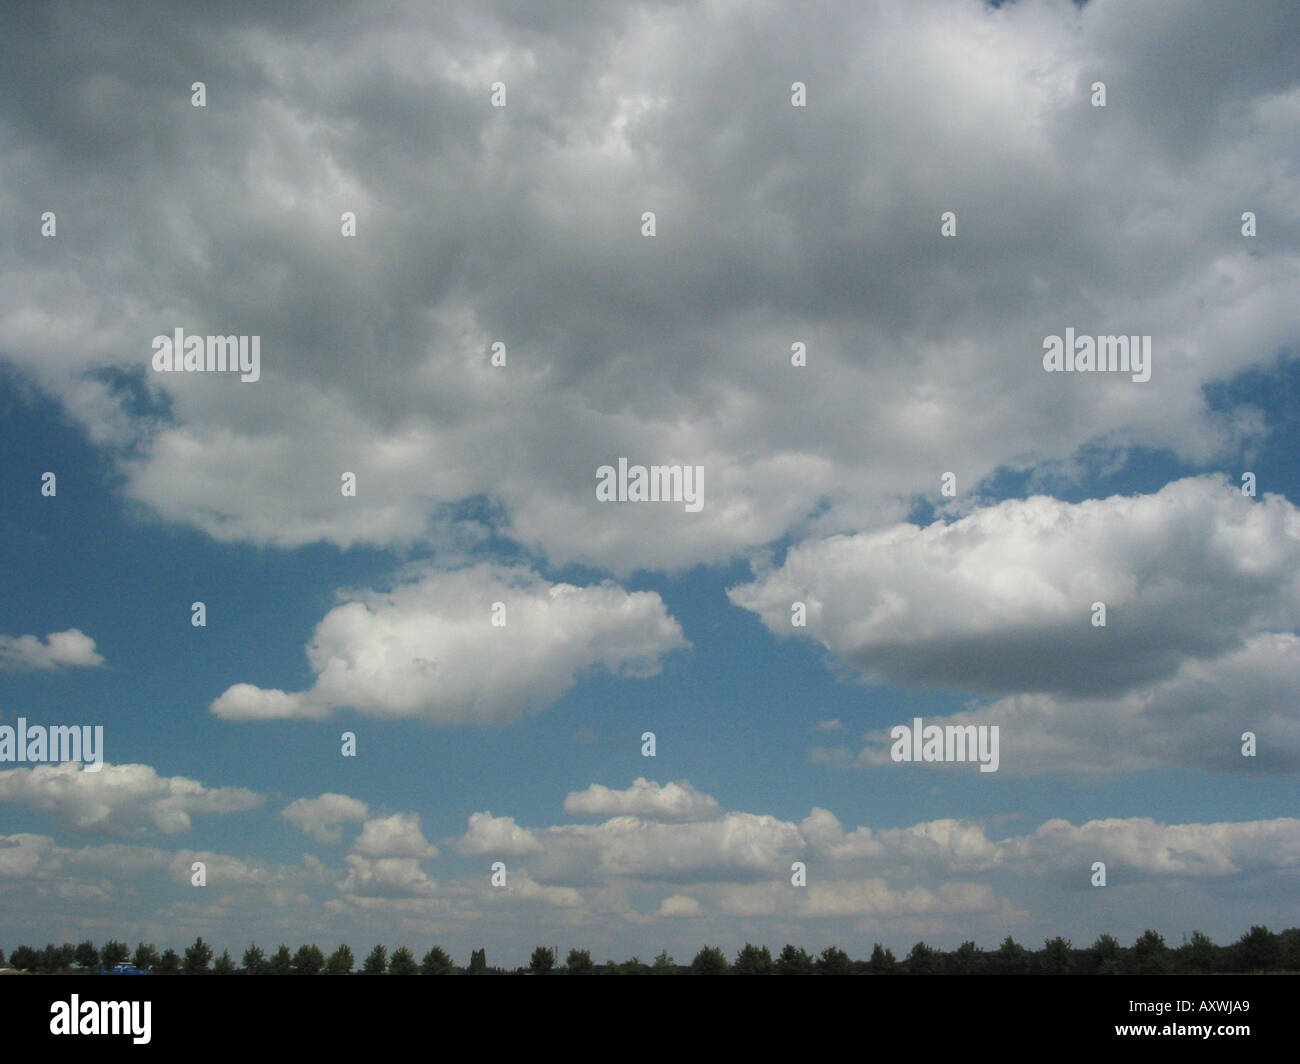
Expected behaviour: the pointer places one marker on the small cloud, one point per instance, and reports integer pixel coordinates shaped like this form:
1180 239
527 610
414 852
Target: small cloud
646 799
323 818
72 647
679 905
835 756
243 701
396 836
496 835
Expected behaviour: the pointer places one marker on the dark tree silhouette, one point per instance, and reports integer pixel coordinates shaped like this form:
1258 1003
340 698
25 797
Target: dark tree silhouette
56 958
663 965
793 961
710 961
1289 948
882 961
578 962
966 959
752 960
198 957
1057 958
1150 955
114 953
834 961
1201 953
1105 955
1010 958
309 960
1258 950
376 962
923 961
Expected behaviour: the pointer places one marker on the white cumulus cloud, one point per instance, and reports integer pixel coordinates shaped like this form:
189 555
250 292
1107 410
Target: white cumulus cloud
72 647
398 835
428 648
119 799
1002 600
645 799
323 818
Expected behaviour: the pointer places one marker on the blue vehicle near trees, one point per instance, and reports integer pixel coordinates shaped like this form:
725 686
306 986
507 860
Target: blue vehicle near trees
122 969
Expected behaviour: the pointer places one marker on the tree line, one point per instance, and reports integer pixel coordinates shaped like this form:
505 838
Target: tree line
1258 950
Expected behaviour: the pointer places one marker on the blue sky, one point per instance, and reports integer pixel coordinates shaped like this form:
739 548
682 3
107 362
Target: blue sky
924 358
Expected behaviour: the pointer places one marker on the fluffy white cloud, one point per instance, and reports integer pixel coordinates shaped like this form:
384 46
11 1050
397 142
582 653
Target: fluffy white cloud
22 855
1149 848
72 647
1136 845
119 799
245 701
742 845
398 835
118 869
234 872
429 649
386 877
323 818
732 845
148 890
645 799
947 845
679 905
924 353
499 836
942 878
930 864
1001 600
520 886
